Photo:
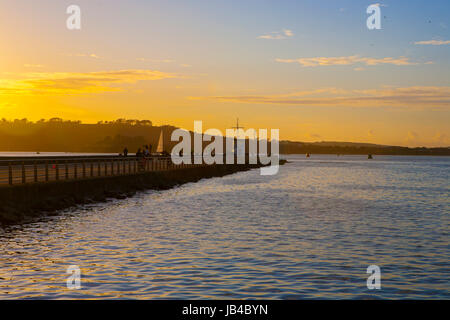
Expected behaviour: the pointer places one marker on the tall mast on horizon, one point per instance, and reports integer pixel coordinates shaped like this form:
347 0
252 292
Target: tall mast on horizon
237 125
237 128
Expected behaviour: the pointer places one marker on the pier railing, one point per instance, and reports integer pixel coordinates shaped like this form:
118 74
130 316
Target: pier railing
54 169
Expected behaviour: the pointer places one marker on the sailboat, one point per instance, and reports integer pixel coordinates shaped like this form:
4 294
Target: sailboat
160 147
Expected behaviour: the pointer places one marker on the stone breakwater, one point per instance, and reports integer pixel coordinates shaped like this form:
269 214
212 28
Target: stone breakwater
23 203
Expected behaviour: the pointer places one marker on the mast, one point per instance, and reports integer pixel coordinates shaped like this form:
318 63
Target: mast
237 128
237 125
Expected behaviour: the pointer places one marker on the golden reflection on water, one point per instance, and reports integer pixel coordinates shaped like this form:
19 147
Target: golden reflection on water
308 232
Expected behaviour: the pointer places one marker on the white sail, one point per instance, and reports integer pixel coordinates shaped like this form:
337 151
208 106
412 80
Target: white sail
160 147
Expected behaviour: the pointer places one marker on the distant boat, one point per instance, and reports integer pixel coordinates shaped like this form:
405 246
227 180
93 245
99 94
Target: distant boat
369 156
160 147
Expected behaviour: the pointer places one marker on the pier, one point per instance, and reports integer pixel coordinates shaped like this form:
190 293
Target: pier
47 169
39 186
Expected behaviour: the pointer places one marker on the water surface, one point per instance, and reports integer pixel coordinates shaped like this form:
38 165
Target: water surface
309 232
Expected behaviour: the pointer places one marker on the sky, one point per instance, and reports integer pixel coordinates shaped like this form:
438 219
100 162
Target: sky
311 69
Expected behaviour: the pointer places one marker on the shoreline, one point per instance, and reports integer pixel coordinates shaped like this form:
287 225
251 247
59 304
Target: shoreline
23 203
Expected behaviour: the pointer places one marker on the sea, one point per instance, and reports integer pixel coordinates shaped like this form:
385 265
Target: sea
315 230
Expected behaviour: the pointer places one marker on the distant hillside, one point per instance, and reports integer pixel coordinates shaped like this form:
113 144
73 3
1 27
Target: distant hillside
57 135
332 147
344 144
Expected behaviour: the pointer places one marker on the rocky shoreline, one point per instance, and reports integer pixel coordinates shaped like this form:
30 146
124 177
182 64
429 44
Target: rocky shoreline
23 203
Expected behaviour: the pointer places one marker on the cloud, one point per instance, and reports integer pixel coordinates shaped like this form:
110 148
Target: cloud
347 60
433 42
276 35
314 135
156 60
288 33
88 55
76 83
435 97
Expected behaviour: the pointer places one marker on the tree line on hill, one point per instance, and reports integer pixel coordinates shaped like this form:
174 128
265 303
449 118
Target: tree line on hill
289 147
58 135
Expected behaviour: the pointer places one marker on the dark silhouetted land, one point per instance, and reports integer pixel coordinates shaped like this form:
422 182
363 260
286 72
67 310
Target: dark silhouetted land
57 135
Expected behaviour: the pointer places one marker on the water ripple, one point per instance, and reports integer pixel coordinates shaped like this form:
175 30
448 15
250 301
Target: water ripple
309 232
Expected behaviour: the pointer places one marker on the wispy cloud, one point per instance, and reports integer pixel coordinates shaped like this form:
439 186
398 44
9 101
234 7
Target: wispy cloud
87 55
77 83
288 33
386 97
276 35
433 42
314 135
347 60
155 60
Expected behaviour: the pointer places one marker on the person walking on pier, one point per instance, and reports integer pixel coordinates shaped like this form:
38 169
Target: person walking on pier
146 156
125 152
140 156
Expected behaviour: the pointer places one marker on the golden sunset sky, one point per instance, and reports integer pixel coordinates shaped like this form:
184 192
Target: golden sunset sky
309 68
